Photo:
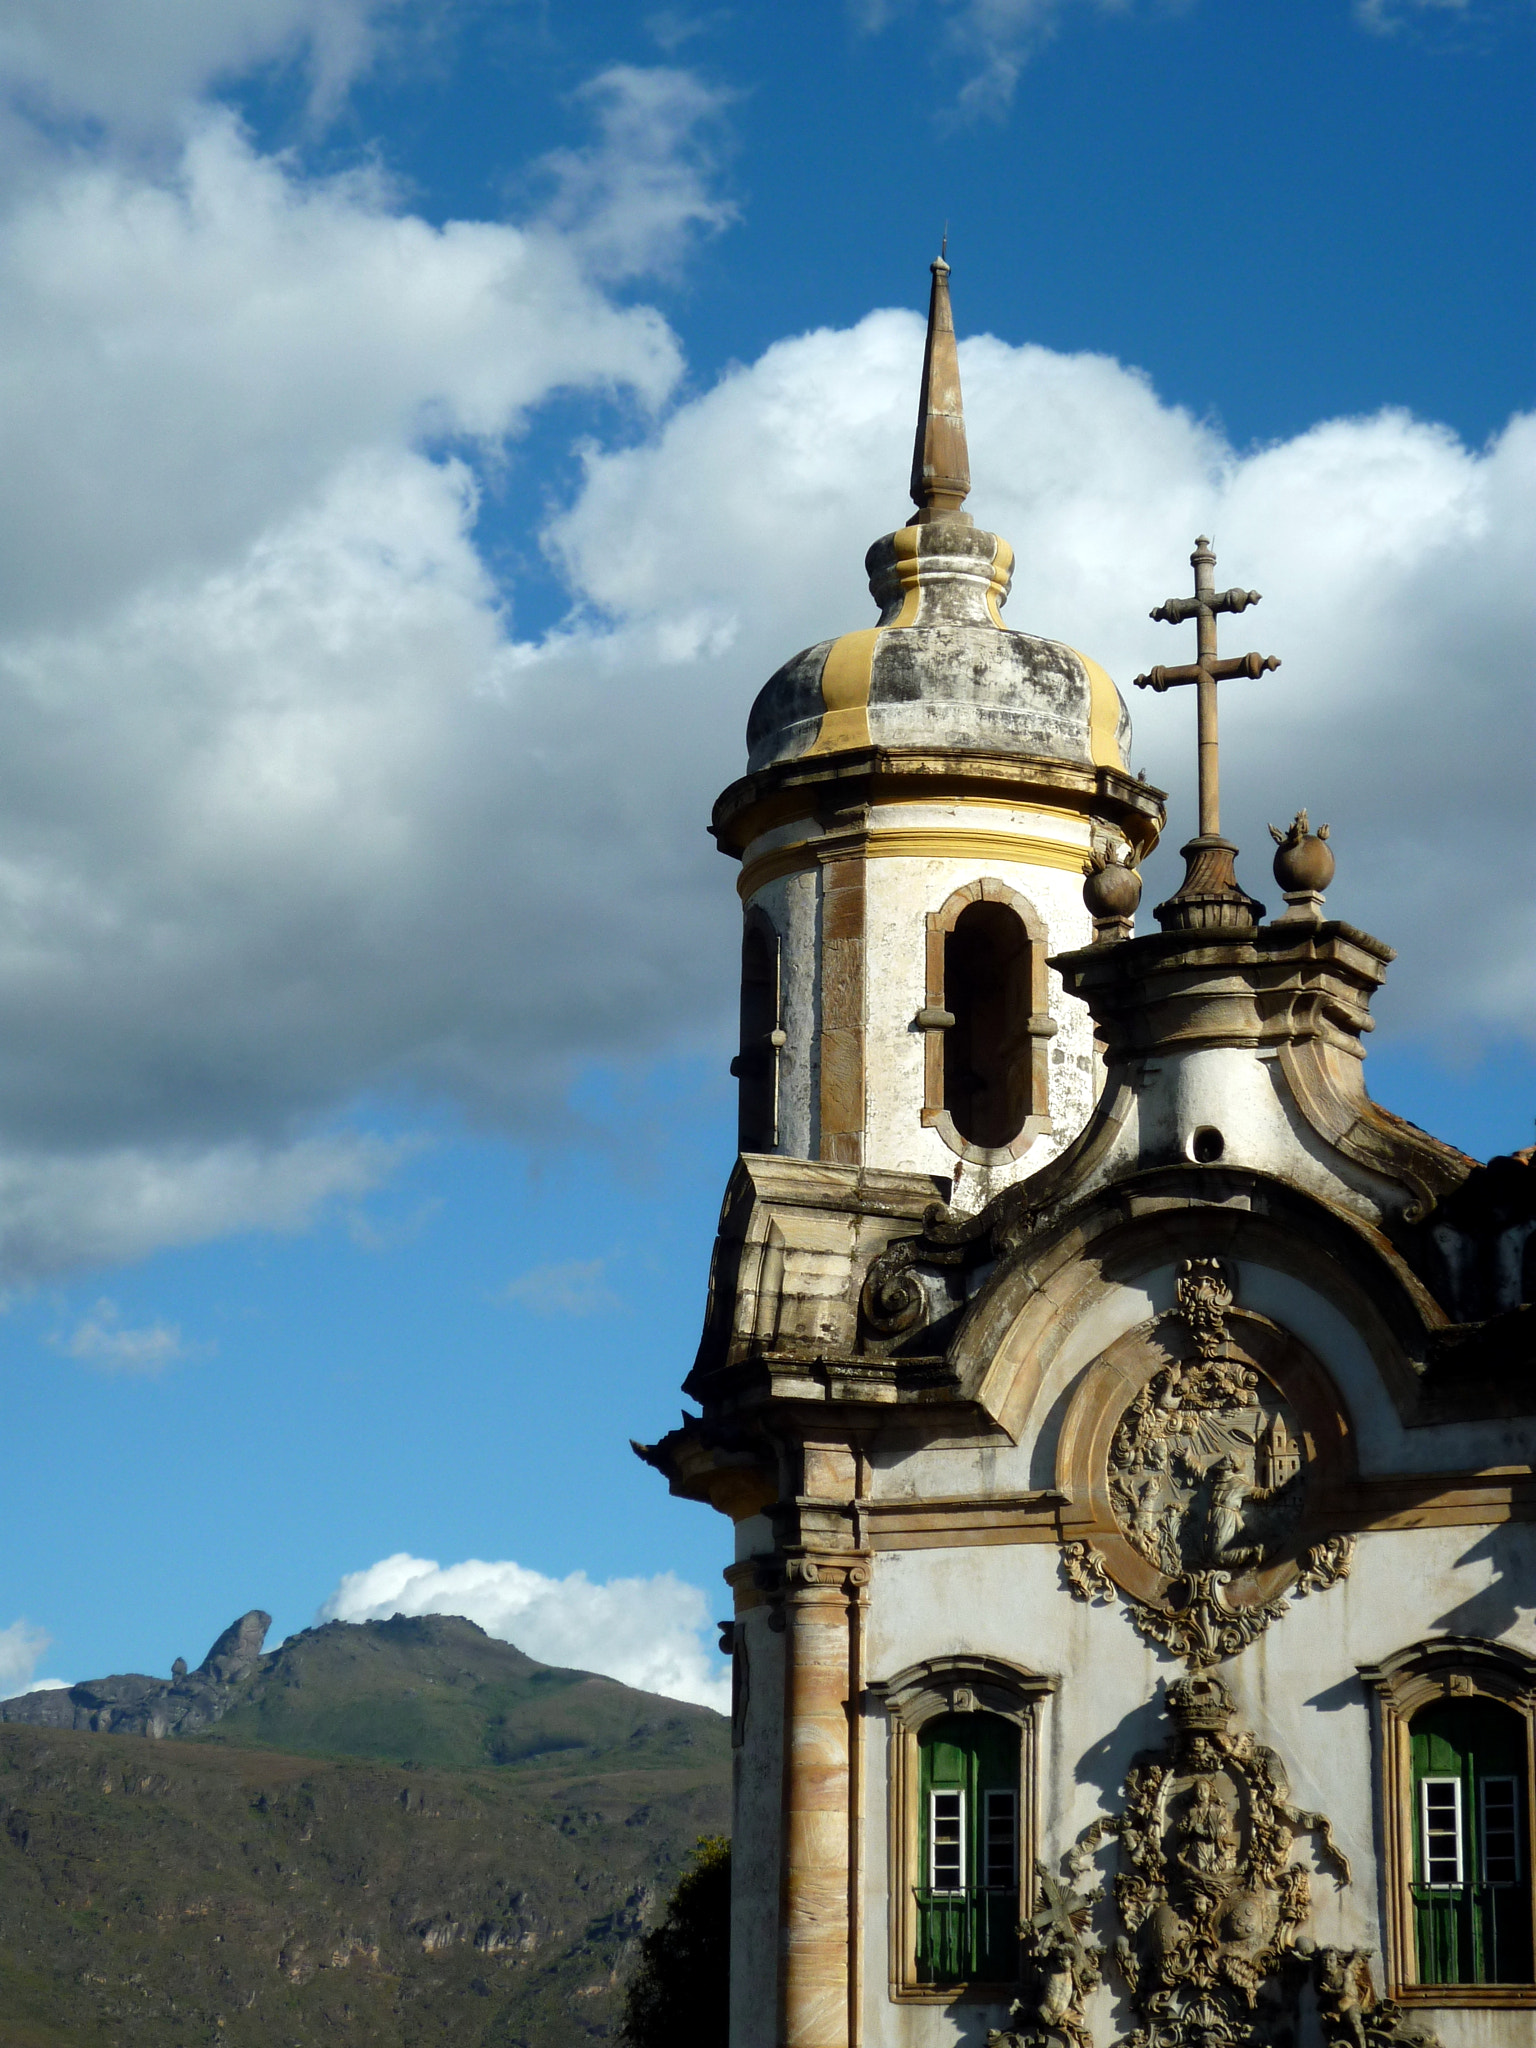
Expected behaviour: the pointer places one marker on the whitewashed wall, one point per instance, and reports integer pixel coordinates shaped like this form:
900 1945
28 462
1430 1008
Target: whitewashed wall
1297 1689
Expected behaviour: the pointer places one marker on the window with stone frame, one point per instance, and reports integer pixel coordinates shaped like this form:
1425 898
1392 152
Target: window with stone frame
968 1854
987 1025
1458 1799
961 1774
1471 1851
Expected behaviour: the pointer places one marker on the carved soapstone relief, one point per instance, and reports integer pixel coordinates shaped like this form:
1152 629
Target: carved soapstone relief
1209 1903
1059 1967
1207 1479
1209 1898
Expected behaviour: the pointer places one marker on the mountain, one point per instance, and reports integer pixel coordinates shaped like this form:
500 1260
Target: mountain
418 1690
401 1833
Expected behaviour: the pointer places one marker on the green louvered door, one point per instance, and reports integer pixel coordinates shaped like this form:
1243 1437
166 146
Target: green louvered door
1471 1865
968 1869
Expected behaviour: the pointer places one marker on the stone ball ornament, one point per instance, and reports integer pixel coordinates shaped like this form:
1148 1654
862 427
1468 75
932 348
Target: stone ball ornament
1111 887
1304 861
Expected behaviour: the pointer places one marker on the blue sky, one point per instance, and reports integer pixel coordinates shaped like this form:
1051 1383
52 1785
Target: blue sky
424 429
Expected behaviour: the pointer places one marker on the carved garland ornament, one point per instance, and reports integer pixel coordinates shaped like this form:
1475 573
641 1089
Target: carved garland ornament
1207 1479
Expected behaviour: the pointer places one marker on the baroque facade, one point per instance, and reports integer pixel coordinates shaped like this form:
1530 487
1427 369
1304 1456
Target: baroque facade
1125 1422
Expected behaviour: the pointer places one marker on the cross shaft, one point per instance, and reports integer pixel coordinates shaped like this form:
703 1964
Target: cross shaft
1207 670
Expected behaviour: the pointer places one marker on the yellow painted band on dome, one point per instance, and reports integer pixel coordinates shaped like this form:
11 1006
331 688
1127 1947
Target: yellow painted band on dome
1103 716
845 674
845 693
908 572
997 589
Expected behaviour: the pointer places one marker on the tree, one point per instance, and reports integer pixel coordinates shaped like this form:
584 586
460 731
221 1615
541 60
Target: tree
681 1990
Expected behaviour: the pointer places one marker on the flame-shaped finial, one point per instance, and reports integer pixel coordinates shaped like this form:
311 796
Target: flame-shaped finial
941 468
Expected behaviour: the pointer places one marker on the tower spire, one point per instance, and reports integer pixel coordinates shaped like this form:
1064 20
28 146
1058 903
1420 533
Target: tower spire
941 468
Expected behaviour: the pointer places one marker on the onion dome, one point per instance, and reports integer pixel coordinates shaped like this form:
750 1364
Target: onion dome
941 671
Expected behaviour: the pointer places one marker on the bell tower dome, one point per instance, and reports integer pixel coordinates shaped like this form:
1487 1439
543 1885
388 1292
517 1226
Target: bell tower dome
922 800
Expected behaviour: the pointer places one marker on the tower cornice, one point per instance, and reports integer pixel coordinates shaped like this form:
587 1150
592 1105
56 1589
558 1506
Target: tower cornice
814 788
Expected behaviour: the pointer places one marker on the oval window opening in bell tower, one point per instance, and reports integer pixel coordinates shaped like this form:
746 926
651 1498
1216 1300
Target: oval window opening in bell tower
923 797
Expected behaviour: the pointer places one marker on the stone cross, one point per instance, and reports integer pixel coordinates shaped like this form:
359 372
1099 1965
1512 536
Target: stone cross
1206 671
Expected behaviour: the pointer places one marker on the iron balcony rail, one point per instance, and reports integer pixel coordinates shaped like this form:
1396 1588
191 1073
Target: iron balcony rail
967 1934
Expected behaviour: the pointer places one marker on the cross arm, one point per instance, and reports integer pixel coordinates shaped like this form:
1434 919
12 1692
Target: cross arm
1223 671
1175 610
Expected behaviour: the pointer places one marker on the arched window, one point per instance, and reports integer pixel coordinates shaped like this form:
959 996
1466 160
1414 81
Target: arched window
1458 1799
1471 1851
961 1770
986 1049
756 1066
968 1854
987 1074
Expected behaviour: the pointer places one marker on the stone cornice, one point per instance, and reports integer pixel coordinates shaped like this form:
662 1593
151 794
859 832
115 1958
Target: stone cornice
814 787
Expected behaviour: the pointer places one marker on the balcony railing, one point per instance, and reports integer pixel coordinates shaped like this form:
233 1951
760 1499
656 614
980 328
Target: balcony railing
1473 1934
969 1935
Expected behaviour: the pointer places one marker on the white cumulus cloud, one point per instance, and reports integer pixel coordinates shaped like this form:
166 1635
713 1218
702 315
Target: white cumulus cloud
21 1648
296 813
631 201
137 67
269 807
645 1632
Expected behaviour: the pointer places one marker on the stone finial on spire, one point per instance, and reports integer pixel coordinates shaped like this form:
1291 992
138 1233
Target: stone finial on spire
941 468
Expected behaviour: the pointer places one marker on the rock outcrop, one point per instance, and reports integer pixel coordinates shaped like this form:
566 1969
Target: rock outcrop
130 1703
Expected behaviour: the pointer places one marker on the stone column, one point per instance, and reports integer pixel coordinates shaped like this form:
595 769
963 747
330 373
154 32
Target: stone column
814 1917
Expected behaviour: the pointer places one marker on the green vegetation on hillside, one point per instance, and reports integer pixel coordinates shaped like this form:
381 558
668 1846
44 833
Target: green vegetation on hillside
436 1690
282 1879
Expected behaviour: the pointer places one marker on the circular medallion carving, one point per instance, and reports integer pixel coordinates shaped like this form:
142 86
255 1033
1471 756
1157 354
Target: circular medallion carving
1206 1454
1205 1469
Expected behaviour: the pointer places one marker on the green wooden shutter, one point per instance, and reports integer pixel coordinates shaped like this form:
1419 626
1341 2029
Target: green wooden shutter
968 1828
1471 1858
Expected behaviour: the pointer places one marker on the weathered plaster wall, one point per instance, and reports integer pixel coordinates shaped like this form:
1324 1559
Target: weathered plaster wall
900 893
1297 1689
1383 1443
1240 1093
791 906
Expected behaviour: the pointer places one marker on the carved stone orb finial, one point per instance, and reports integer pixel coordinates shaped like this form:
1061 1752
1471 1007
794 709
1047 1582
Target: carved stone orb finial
1304 866
1111 890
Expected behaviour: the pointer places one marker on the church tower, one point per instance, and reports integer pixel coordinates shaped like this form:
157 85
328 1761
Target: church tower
922 798
1127 1425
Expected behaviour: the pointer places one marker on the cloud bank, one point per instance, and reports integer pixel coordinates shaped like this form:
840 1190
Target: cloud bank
645 1632
296 814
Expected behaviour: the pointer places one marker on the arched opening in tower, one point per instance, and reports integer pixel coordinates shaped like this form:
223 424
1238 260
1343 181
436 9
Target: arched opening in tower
986 1050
